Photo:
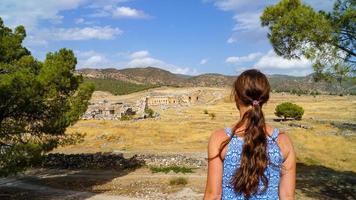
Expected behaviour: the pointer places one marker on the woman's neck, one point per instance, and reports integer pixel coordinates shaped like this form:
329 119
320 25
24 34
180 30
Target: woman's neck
241 129
243 110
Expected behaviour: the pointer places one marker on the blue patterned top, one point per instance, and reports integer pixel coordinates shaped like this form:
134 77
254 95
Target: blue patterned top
232 162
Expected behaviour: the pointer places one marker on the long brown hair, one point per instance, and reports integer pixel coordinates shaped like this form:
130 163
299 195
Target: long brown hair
251 88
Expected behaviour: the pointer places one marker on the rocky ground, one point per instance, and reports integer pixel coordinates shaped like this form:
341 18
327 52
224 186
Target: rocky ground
127 177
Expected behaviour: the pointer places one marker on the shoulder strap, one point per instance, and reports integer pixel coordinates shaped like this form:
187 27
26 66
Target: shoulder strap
228 131
275 133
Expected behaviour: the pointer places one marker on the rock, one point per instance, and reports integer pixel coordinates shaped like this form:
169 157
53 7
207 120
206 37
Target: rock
172 160
292 124
91 161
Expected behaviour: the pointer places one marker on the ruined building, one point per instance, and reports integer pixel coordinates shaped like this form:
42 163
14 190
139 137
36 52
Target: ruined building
176 99
111 110
114 110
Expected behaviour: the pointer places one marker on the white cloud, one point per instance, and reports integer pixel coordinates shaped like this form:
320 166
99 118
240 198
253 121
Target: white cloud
247 26
143 59
86 33
83 21
44 36
247 12
127 12
140 54
321 4
203 61
273 61
145 62
92 59
238 5
231 40
247 21
79 20
185 70
246 17
242 59
119 12
30 12
36 40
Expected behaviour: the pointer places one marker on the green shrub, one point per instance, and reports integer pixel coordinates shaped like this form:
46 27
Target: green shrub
149 112
289 110
178 181
206 111
175 169
126 117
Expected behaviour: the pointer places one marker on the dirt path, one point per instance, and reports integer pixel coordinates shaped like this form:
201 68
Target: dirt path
40 186
313 182
54 193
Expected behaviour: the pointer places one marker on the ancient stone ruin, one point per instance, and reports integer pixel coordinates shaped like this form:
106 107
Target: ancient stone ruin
115 110
112 110
175 99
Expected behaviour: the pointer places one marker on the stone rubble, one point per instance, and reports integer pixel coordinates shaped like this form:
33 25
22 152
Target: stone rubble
90 161
117 161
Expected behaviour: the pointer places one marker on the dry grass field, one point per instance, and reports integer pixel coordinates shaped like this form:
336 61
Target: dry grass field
187 129
326 150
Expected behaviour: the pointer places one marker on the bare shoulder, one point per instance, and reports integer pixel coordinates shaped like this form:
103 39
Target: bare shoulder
218 136
285 144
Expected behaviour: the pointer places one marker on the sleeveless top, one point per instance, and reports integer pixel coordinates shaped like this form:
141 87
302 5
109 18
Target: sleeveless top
232 163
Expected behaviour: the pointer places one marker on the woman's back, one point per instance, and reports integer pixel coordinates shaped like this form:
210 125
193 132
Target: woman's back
232 162
255 166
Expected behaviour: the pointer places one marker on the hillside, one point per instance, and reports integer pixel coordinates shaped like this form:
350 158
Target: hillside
144 78
117 87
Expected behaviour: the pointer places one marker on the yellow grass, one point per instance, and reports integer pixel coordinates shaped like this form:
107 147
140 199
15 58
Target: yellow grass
187 129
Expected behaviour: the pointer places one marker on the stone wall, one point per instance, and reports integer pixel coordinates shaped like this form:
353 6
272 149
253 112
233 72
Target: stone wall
173 99
117 161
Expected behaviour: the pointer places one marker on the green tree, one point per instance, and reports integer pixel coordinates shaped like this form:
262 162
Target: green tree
328 39
289 110
38 100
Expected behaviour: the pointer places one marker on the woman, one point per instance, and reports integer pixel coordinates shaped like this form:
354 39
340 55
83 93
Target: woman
252 160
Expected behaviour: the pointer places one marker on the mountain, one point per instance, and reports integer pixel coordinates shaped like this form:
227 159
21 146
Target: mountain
207 80
155 77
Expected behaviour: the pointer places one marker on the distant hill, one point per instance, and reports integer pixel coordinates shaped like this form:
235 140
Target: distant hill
144 78
117 87
157 76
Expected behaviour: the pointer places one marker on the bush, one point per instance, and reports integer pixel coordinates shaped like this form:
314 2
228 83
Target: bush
289 110
206 111
178 181
126 117
149 112
175 169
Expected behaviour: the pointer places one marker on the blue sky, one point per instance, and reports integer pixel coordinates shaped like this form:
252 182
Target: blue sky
182 36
